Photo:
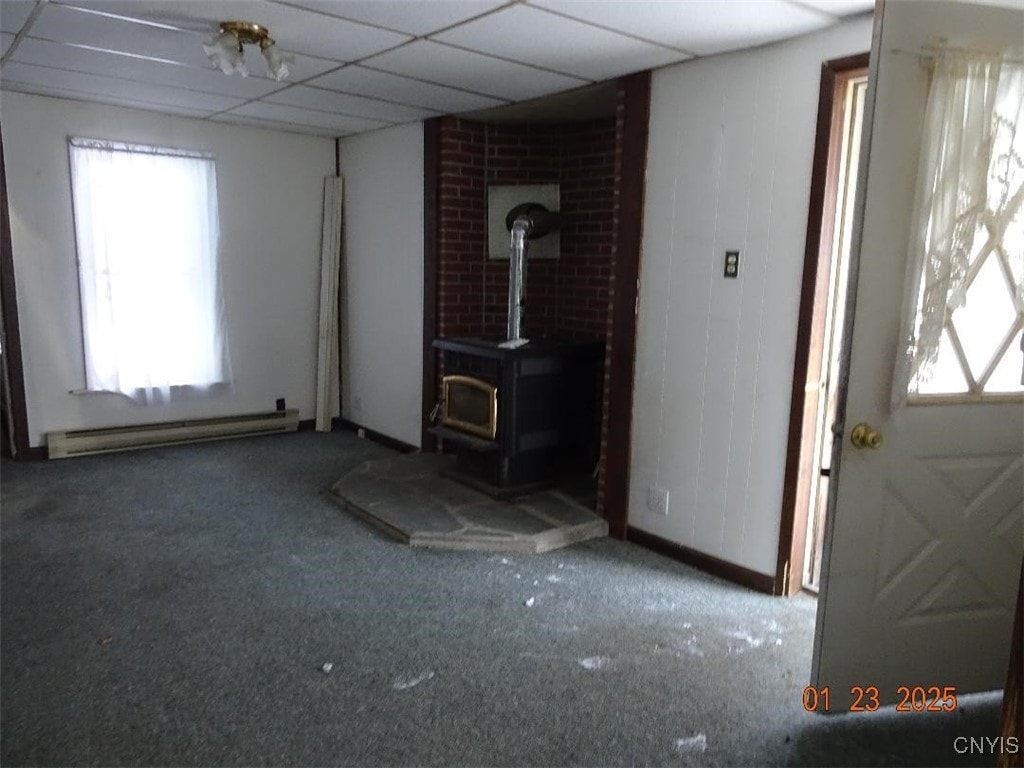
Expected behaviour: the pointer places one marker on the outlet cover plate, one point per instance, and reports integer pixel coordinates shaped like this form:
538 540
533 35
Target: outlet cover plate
657 500
732 264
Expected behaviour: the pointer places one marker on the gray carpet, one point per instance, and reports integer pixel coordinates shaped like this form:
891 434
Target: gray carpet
176 607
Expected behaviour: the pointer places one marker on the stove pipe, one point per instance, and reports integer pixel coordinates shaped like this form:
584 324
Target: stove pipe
517 277
526 222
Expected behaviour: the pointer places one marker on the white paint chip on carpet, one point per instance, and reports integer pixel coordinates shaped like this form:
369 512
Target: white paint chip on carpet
748 640
405 683
698 743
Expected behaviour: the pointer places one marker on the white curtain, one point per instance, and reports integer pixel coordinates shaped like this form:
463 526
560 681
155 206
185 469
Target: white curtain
968 177
147 231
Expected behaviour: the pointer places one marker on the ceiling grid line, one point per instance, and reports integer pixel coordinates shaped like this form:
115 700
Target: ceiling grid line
23 32
606 28
511 61
432 82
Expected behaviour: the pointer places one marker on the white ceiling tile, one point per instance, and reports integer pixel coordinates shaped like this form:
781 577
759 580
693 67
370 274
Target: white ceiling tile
5 41
445 65
302 68
839 7
295 30
315 34
274 125
696 26
308 117
186 15
125 90
72 25
117 101
414 17
555 42
346 104
14 14
59 55
370 82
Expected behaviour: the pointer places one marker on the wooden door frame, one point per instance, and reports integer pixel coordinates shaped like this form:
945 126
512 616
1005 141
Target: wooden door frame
431 236
620 345
810 319
12 329
1012 720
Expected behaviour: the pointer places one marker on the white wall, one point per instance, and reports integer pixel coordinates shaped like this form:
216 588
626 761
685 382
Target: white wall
382 281
729 166
270 189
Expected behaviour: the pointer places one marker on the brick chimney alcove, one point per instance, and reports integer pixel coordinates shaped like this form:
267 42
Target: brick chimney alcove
567 299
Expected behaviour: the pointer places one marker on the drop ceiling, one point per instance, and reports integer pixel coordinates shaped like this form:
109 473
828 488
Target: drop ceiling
366 64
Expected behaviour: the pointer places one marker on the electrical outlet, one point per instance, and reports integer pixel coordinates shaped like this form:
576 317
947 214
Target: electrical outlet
657 500
732 263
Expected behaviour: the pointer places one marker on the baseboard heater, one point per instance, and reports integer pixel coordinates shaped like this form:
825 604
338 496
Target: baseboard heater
81 442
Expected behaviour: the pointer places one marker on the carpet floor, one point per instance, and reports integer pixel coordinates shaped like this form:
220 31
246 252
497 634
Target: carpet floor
211 605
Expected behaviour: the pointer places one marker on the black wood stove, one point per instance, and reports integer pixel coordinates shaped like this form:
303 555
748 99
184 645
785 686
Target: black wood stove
520 418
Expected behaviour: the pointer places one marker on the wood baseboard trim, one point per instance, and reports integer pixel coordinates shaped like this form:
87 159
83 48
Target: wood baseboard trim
339 423
377 437
729 571
33 453
306 425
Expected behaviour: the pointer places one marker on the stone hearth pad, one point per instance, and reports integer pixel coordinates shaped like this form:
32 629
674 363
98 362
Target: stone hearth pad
408 498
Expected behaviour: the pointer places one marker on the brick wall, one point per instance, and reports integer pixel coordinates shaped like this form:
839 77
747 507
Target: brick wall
567 298
462 235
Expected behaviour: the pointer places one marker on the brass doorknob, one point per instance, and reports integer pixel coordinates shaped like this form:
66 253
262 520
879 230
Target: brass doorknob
865 436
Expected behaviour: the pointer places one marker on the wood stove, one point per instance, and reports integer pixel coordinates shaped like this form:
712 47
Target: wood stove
470 405
522 418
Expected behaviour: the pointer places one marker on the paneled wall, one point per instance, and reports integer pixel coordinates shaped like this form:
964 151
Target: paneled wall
729 165
382 281
270 191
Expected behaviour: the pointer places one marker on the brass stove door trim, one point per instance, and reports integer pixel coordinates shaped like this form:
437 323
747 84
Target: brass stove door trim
489 431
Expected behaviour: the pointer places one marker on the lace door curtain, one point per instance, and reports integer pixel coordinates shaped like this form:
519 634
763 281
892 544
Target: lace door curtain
970 175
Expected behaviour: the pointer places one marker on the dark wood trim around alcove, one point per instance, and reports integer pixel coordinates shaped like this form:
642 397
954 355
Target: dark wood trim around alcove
823 193
636 104
1012 720
431 180
378 437
12 329
341 292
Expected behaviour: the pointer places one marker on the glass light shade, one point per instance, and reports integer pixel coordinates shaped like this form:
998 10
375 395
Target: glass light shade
225 52
277 62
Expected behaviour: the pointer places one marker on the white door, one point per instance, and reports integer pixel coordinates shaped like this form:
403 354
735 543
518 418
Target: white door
925 533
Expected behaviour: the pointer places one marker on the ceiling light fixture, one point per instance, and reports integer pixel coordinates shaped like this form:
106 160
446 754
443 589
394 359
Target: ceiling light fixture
225 50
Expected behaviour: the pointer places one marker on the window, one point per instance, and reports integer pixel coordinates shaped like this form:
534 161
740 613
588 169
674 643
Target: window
147 232
967 275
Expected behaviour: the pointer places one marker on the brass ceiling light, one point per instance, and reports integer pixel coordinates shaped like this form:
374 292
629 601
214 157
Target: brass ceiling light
225 50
